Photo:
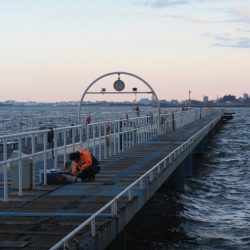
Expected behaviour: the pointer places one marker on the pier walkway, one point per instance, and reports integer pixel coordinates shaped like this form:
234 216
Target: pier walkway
43 217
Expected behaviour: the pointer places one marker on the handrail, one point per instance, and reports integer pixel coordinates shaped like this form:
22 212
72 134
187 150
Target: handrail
22 124
128 189
142 129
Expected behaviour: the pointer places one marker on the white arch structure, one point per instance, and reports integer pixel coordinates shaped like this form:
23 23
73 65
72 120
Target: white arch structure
118 73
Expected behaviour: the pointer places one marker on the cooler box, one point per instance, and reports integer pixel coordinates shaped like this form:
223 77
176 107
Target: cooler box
52 176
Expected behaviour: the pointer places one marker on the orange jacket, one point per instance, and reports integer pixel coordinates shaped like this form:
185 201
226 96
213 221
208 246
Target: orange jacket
84 162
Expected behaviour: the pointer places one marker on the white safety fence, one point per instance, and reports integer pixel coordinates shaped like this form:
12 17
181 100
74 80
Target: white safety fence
45 149
10 126
140 184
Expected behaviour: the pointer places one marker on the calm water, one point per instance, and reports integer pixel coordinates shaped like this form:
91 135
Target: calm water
214 211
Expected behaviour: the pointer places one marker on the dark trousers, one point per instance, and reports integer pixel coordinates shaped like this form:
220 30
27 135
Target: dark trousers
89 172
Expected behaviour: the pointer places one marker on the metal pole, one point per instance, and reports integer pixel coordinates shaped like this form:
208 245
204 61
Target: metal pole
20 176
5 171
45 158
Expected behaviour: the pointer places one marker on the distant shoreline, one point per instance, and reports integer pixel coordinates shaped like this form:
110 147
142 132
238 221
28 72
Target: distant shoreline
108 105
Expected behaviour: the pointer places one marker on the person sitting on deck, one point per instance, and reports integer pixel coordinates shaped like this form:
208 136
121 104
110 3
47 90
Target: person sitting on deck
85 166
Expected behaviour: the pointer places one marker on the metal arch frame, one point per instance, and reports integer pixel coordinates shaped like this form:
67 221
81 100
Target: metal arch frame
118 73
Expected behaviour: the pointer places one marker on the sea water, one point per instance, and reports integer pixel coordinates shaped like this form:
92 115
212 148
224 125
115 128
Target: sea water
214 210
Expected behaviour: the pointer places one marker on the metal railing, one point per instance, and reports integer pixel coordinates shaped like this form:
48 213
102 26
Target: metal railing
8 126
21 124
148 177
122 134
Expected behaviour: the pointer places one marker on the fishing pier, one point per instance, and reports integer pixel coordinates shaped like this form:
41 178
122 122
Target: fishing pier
134 165
138 153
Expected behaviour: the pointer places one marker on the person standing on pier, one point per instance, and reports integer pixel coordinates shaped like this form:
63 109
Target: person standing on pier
137 110
88 120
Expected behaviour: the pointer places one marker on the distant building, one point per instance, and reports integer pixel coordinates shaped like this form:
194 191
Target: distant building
174 102
229 98
245 96
205 99
163 102
10 102
145 101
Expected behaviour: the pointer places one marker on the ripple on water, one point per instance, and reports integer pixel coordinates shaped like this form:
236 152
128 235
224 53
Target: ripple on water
216 204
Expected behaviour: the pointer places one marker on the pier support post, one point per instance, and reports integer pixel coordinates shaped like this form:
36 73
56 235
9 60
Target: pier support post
199 150
177 179
189 166
120 242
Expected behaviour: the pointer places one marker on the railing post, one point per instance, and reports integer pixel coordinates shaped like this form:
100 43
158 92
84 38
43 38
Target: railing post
20 174
122 135
33 162
64 147
140 136
105 141
130 194
88 127
141 184
5 176
130 137
151 177
133 134
65 245
55 150
159 169
99 142
45 158
73 138
119 137
93 230
143 131
110 141
80 136
114 209
114 138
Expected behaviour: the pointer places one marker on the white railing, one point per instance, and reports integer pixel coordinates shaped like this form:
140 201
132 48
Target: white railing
33 146
140 182
8 126
122 134
119 135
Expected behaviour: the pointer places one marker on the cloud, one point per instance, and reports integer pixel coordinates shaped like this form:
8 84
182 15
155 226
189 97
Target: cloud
243 30
188 19
242 44
224 40
163 3
169 3
242 14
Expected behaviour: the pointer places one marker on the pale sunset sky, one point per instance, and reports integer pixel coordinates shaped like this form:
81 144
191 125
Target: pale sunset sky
51 50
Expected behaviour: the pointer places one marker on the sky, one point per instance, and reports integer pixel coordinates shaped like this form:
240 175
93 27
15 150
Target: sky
52 50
